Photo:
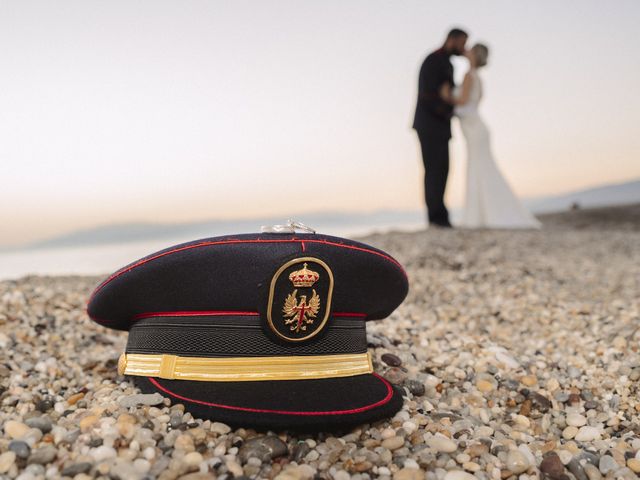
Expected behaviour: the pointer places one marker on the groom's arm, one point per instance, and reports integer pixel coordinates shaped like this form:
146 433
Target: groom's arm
433 75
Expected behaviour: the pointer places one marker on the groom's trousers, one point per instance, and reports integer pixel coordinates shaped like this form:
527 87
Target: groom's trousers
435 156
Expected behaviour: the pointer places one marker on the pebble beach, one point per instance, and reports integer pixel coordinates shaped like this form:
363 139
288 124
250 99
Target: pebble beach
517 352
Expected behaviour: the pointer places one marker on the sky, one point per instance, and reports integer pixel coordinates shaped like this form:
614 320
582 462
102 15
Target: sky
177 111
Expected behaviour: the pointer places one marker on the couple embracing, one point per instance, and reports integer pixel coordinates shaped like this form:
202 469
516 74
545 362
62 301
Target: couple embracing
489 201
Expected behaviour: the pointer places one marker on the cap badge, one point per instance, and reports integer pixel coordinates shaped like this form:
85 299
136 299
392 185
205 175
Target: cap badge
302 313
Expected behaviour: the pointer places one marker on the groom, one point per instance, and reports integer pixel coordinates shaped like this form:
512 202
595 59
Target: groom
432 123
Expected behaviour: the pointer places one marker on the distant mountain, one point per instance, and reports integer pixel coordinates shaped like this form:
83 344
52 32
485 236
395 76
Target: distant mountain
605 196
335 223
349 223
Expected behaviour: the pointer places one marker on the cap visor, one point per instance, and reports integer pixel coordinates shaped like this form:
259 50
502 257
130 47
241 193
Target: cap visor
331 403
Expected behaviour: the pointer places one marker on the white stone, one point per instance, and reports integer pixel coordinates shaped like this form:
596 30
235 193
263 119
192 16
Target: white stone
102 453
517 462
441 443
576 420
588 434
459 475
7 459
565 456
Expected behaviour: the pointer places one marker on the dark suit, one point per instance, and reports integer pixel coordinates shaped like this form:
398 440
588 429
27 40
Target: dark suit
432 122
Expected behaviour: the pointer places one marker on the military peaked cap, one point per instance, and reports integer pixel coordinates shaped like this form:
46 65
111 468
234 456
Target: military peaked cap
258 330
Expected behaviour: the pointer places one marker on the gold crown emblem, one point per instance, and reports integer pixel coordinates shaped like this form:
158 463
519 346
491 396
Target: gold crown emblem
304 277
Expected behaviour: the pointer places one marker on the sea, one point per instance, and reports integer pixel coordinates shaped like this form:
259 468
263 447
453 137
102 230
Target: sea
104 258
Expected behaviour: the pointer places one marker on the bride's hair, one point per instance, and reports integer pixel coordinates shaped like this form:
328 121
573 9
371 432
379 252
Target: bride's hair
481 52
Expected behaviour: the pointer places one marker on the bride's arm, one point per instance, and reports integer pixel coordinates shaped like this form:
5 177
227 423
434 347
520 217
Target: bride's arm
447 94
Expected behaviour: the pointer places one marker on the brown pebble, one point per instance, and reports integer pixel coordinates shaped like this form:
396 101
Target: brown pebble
574 399
551 466
391 359
73 399
548 446
525 408
529 380
363 466
476 450
505 473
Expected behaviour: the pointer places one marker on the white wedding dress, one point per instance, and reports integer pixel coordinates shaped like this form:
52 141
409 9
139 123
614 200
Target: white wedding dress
489 201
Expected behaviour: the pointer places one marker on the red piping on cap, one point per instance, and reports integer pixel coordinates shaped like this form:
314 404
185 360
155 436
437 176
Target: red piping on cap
282 412
215 313
226 242
219 313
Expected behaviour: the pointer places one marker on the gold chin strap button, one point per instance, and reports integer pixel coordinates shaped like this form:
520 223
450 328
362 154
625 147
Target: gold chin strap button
122 364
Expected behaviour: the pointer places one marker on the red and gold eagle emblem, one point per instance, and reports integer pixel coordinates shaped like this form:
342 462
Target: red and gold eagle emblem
304 310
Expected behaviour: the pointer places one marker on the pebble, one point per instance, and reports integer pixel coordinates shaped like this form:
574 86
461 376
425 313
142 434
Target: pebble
103 453
7 460
634 464
395 375
517 462
15 429
193 459
485 385
220 428
552 466
393 443
408 474
416 388
264 448
42 423
442 444
43 455
576 468
576 420
587 434
141 399
607 464
459 475
569 432
592 472
20 448
391 359
75 469
44 405
88 422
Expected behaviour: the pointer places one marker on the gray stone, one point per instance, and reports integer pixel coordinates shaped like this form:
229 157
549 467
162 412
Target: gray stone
44 405
391 359
42 423
395 375
300 451
576 468
590 405
591 457
141 399
75 469
607 464
20 448
175 419
265 448
416 388
541 402
43 455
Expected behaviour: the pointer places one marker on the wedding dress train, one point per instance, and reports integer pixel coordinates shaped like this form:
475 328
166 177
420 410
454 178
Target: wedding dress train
490 202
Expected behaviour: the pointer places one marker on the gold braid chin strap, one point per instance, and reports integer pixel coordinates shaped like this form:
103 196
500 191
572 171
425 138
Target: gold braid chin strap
244 369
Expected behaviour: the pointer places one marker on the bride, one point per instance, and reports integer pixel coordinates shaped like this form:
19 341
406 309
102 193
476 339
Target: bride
489 202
